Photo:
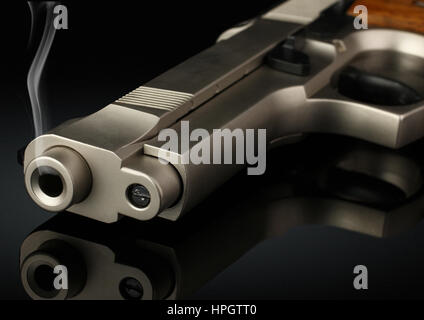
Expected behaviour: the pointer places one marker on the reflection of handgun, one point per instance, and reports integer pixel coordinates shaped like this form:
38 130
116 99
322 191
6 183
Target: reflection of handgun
162 260
286 72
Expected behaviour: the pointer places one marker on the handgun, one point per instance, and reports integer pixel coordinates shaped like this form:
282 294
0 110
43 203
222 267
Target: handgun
300 68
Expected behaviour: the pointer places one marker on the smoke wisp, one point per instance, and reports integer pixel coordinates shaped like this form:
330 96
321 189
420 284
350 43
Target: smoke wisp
39 61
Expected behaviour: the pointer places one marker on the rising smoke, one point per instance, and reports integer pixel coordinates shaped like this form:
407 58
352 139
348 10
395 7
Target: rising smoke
39 10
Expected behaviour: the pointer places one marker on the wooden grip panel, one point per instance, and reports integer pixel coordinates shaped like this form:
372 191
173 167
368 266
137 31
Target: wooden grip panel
395 14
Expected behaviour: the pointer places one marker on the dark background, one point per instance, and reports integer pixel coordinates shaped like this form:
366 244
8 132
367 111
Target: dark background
113 47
